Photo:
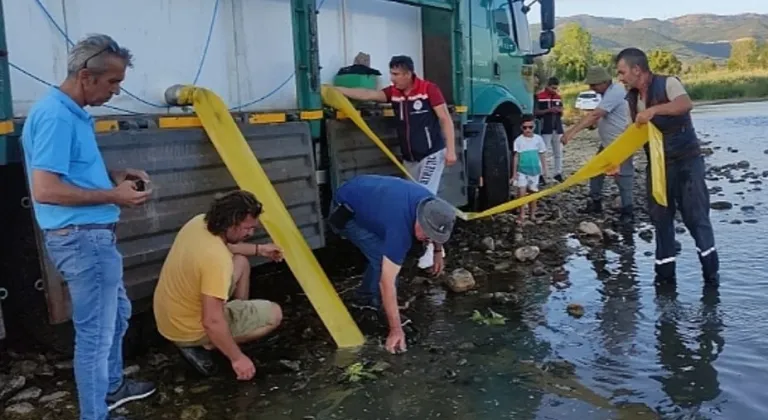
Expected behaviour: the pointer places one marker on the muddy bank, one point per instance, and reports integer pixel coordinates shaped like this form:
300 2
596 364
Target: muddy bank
492 263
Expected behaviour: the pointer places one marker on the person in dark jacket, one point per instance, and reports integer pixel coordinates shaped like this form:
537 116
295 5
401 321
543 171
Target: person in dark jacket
424 126
663 101
549 108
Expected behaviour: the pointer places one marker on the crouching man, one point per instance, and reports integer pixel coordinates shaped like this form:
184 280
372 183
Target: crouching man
201 300
381 215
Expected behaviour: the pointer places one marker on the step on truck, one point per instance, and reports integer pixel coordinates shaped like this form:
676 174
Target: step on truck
267 59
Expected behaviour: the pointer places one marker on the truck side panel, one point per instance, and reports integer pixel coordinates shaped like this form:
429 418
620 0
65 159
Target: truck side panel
187 173
353 153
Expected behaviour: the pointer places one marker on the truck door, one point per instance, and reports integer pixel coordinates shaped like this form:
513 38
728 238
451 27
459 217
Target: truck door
508 66
481 51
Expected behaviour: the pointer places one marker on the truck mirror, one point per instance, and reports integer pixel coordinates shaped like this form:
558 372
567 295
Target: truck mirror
547 14
547 40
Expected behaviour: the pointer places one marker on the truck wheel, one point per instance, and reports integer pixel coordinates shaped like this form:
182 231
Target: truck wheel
496 167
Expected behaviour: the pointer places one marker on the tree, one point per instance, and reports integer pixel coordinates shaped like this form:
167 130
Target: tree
702 66
746 54
606 60
662 61
572 53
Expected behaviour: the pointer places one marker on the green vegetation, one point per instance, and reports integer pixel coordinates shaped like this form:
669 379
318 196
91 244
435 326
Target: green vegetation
743 76
689 37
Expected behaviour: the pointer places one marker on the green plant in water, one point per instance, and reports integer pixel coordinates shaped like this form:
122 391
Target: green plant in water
356 372
493 318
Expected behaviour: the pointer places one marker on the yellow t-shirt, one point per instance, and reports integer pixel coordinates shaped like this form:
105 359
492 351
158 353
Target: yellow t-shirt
199 263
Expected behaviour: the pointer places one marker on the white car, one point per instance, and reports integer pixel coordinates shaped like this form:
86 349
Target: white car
588 100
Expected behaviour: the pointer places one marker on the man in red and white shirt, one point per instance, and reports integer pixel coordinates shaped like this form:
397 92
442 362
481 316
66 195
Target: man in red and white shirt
424 126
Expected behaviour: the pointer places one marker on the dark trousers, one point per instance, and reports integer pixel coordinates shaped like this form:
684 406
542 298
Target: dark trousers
686 191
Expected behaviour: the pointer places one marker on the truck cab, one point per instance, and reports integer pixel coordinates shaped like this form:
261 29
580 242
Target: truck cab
502 87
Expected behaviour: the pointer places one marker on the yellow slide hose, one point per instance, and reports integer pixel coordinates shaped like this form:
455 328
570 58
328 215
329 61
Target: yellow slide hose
250 176
606 161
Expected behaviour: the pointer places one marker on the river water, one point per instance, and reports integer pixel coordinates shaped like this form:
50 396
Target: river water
638 352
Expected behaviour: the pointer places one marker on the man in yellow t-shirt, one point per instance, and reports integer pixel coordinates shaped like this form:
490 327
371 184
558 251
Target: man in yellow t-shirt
201 300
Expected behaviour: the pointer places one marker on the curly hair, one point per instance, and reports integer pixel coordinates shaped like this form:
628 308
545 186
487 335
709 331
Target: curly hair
230 210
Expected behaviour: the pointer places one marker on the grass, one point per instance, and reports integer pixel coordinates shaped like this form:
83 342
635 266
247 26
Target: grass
714 86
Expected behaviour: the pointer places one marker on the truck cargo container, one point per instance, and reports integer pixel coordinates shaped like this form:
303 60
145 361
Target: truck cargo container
267 59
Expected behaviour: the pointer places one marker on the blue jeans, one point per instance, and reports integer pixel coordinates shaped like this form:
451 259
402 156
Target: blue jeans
371 246
92 267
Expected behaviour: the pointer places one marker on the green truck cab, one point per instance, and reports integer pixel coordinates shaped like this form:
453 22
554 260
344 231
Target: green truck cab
479 52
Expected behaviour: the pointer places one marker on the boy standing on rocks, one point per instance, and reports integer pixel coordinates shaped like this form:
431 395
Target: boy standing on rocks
528 164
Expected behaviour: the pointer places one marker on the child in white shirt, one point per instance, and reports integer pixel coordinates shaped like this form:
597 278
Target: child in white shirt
529 164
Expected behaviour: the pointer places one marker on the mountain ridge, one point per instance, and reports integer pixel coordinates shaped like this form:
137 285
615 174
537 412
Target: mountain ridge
691 37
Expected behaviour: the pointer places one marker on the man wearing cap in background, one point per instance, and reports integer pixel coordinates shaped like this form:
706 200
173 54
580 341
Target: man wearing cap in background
612 118
381 215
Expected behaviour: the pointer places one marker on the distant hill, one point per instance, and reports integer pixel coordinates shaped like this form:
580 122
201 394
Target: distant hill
689 37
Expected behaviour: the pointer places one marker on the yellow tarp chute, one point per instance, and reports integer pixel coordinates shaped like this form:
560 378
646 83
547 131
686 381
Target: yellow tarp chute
607 160
250 176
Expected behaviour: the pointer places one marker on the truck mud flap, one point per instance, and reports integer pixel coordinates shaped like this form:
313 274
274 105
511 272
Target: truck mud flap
353 153
2 323
186 173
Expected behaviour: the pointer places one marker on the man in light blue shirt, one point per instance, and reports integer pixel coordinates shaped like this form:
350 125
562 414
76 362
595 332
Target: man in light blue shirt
612 118
77 204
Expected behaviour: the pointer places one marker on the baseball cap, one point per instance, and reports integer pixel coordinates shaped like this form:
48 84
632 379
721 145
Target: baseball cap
436 218
597 75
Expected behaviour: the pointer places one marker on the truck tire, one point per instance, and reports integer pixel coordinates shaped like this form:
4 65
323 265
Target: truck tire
496 167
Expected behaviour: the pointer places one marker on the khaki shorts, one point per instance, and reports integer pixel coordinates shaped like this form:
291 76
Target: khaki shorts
243 317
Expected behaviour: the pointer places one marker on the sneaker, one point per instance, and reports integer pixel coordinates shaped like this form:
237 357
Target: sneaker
200 359
558 177
129 391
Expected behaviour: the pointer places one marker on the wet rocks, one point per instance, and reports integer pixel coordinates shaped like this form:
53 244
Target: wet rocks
539 270
502 297
460 281
527 253
292 365
489 243
56 396
502 266
743 164
611 235
9 386
20 409
721 205
590 229
646 235
575 310
193 412
25 368
28 394
131 370
747 208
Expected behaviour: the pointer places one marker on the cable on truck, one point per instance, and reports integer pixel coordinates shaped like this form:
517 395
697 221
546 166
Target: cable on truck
197 75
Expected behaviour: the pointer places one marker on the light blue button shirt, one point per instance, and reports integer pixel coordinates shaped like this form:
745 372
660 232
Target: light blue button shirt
59 137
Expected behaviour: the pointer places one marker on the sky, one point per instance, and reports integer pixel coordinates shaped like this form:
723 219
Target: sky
660 9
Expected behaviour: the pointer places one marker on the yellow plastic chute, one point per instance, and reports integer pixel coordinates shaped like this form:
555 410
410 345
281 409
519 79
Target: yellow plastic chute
606 161
249 175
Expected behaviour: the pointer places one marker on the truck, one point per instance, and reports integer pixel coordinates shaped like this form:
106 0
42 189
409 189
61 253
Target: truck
268 60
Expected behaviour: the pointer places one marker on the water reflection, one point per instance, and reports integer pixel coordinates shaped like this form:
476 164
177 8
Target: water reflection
620 297
688 343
